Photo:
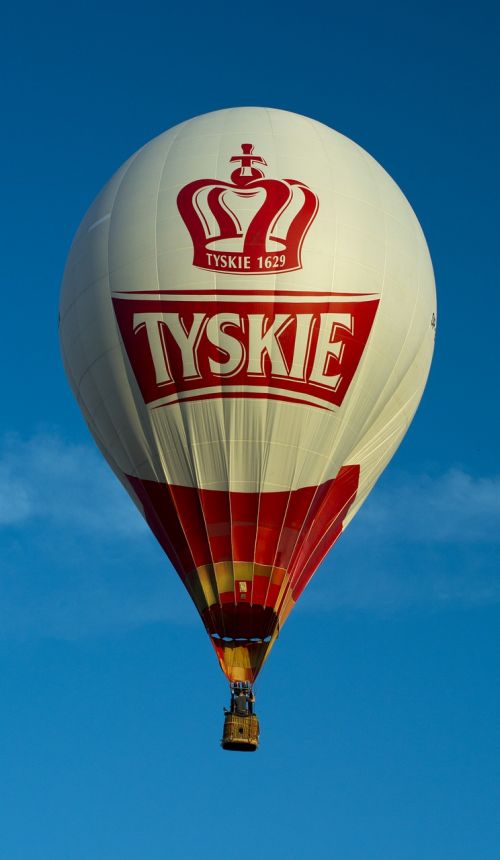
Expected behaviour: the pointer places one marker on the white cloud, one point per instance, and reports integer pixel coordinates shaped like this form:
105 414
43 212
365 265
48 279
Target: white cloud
419 540
453 507
66 485
46 478
15 501
76 558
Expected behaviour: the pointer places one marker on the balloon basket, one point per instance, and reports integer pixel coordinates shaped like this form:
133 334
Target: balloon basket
241 734
241 726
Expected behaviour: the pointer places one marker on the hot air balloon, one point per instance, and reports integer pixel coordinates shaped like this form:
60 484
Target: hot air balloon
247 322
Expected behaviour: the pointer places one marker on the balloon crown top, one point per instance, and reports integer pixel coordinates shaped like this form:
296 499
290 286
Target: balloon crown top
250 225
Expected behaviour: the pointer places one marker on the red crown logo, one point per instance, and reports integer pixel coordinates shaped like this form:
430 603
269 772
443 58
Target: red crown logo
251 225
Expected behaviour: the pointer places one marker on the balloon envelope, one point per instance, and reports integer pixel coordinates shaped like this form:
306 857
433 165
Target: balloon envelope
247 322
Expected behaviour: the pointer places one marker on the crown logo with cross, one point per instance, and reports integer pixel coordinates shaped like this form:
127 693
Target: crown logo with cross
250 225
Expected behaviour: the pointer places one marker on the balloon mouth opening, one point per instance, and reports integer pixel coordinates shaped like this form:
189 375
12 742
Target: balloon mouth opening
241 623
242 639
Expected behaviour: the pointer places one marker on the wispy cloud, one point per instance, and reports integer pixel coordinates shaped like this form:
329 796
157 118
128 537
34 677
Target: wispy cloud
66 485
453 507
419 540
76 558
47 478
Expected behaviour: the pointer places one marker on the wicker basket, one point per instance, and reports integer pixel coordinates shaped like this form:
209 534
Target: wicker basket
240 733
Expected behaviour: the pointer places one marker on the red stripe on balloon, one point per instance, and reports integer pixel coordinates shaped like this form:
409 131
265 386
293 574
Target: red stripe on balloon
290 530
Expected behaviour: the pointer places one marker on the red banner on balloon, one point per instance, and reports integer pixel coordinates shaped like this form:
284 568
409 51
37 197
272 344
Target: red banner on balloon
283 346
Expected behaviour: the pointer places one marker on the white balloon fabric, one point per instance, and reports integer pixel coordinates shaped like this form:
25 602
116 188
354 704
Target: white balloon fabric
247 322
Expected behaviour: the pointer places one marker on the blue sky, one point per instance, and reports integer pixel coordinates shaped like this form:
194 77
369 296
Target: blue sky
111 697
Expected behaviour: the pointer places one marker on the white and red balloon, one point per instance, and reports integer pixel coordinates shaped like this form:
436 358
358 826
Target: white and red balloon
247 323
